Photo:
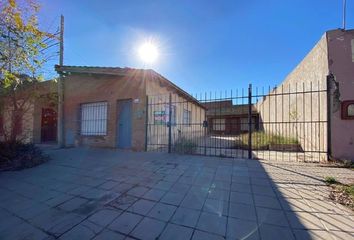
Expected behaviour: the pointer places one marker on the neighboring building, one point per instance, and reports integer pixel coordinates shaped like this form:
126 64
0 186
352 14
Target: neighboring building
106 106
227 119
331 58
36 120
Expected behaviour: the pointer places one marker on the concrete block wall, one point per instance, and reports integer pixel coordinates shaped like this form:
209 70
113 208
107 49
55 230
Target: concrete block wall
294 109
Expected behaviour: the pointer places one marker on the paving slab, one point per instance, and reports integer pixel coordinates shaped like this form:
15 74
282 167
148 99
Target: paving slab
110 194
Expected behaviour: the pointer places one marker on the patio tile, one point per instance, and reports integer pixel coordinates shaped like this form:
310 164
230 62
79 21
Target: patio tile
272 216
85 230
218 207
186 217
176 232
138 191
295 205
23 231
104 217
193 201
154 194
264 191
125 222
313 235
173 198
304 220
199 235
265 201
238 197
163 185
108 185
212 223
219 194
337 222
270 232
142 206
162 211
109 235
148 229
242 229
55 201
180 188
242 211
73 204
123 202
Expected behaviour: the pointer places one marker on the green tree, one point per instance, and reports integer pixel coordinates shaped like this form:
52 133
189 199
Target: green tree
24 49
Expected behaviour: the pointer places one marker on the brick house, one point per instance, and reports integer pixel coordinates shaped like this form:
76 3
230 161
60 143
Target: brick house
225 118
106 106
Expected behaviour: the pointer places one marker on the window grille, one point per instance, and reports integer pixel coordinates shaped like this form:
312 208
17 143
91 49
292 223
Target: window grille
94 119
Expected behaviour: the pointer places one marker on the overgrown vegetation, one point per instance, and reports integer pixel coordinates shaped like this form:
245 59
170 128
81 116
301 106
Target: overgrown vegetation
263 140
185 146
330 180
17 155
341 193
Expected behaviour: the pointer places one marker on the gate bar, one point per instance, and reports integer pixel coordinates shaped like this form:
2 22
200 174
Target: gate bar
250 121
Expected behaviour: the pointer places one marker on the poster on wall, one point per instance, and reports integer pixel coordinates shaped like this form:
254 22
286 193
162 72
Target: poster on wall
160 117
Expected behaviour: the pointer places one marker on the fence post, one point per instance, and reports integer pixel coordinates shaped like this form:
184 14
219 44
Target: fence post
250 121
146 123
169 124
330 78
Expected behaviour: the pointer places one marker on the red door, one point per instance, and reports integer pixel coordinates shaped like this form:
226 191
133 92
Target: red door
233 125
49 125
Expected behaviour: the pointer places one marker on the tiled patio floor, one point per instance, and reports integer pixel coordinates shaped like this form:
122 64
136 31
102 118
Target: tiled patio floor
107 194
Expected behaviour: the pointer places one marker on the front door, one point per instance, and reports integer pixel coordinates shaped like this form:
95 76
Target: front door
124 128
49 125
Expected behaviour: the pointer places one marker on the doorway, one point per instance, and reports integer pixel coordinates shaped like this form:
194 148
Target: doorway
124 123
49 125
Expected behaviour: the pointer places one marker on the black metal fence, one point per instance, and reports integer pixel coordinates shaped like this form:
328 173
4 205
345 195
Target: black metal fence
287 123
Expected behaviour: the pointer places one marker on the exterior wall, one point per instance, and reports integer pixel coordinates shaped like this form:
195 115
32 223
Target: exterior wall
31 119
86 88
290 112
341 65
158 96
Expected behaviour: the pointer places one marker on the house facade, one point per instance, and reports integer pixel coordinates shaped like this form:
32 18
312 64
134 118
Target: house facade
107 107
225 118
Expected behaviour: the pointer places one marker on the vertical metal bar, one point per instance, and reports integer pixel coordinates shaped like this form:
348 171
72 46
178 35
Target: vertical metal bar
329 102
250 121
146 122
170 123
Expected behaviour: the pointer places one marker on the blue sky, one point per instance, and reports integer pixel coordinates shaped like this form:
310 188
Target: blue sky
204 45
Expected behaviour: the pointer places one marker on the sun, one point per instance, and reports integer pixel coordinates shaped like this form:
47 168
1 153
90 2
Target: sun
148 52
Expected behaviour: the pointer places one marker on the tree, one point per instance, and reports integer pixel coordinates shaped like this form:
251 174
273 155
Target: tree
24 49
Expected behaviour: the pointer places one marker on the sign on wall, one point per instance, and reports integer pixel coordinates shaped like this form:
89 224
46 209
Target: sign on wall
160 117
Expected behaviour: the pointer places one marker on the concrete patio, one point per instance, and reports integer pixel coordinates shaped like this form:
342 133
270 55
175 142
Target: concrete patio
108 194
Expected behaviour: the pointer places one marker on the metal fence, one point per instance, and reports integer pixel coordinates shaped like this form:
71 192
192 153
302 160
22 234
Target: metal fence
287 123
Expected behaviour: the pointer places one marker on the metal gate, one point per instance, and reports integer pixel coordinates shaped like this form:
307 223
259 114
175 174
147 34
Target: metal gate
287 123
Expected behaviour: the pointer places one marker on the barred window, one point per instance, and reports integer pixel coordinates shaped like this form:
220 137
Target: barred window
187 117
94 119
173 112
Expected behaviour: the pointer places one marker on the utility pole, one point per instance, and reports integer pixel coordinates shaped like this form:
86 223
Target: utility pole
344 12
61 87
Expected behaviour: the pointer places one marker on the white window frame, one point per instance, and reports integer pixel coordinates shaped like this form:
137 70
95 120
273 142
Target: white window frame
93 119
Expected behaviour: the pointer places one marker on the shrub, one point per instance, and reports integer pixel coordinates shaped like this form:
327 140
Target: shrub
183 145
330 180
15 155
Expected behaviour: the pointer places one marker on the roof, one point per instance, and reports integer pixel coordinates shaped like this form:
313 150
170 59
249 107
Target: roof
118 71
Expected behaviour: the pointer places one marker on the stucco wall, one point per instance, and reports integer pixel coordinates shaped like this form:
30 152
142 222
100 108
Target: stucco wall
85 88
294 108
341 65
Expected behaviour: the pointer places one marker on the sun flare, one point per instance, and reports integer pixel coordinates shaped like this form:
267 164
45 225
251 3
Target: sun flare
148 52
